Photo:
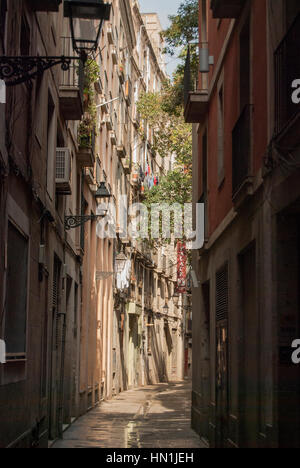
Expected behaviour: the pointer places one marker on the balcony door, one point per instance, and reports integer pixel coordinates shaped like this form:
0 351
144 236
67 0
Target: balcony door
250 355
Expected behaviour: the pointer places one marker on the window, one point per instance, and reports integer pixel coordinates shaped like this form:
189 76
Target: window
51 141
98 171
204 164
245 66
292 10
16 304
56 291
3 8
150 326
221 134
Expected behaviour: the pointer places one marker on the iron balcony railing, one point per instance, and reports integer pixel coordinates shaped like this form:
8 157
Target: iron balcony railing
287 70
241 149
74 76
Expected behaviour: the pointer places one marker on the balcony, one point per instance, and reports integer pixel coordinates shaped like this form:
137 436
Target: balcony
98 86
126 166
227 8
114 55
121 150
241 156
110 35
104 105
86 151
136 119
113 137
195 102
287 70
45 5
128 91
71 86
122 139
196 107
89 175
121 73
108 122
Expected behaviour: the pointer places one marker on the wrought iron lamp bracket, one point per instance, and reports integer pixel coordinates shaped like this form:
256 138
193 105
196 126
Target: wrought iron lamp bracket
17 70
72 222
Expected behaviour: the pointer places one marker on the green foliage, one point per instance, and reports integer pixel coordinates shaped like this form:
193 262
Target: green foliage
164 112
174 187
171 136
88 124
183 31
184 26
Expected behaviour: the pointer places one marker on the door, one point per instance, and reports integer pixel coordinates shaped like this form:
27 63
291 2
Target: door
222 383
133 351
249 372
222 403
174 353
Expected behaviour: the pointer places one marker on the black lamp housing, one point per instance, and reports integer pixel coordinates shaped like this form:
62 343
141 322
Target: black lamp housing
121 260
90 9
102 192
86 37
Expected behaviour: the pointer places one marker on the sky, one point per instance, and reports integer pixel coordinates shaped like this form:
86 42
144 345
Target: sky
163 8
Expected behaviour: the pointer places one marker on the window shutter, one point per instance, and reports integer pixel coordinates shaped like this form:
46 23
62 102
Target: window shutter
222 294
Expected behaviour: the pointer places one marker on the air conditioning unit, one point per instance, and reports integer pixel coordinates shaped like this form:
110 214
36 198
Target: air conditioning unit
63 171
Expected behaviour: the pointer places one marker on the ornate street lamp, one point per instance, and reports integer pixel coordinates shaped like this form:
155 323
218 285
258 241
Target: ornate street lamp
75 221
166 308
121 260
84 15
86 33
102 192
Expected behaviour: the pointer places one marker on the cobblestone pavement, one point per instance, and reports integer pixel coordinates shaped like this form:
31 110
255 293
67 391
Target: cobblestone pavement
157 416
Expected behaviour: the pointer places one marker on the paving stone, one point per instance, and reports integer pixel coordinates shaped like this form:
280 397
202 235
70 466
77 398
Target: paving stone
157 416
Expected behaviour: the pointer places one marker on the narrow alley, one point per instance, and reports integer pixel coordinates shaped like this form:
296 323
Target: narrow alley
156 416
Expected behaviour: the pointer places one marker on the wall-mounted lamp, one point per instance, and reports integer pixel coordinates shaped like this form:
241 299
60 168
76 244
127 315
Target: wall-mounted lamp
85 39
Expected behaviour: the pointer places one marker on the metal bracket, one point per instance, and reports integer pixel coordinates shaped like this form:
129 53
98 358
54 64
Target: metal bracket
17 70
72 222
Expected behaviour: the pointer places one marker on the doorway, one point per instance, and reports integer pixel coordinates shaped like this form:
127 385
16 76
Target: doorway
222 393
249 372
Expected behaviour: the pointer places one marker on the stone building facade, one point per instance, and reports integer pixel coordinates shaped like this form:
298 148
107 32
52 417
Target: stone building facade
72 337
246 172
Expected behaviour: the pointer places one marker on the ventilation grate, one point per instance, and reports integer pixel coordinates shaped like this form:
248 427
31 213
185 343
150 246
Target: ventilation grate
222 294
